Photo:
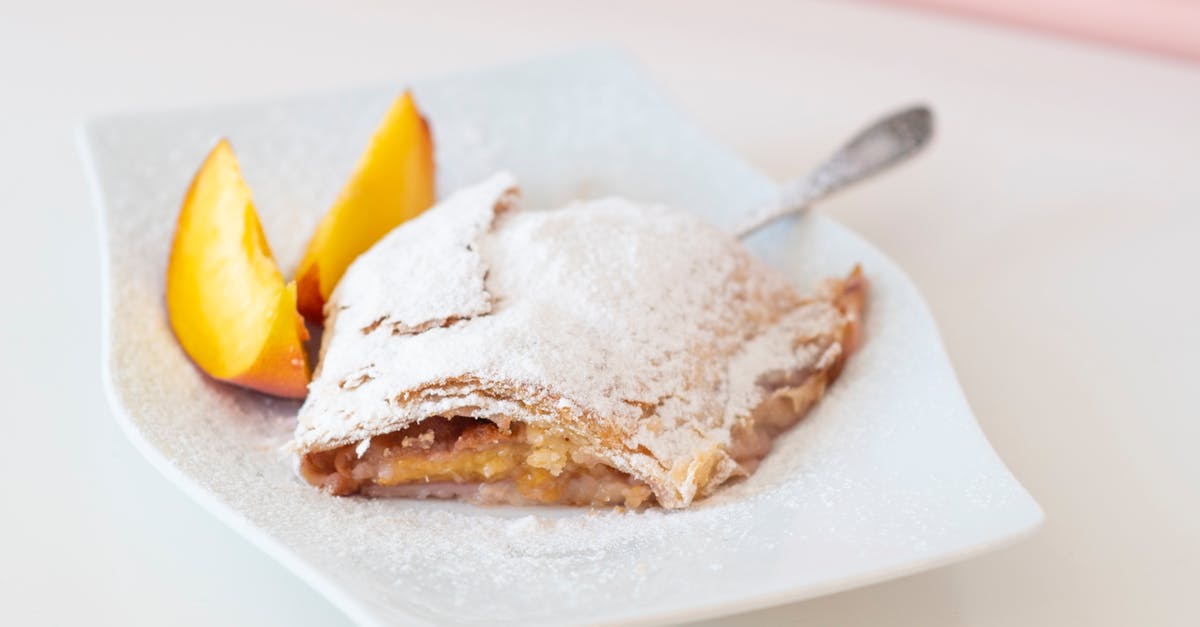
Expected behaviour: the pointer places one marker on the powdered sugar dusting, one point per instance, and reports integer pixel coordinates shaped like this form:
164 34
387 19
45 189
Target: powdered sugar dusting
640 329
394 299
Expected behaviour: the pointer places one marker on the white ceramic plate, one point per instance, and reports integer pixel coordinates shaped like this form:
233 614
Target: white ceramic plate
889 475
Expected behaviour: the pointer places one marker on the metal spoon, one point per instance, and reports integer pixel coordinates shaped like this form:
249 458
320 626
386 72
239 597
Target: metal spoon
888 141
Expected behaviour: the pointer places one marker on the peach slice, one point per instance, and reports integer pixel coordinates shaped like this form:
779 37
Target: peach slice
394 182
226 299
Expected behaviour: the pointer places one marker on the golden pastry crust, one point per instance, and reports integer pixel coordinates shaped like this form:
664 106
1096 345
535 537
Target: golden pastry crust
653 343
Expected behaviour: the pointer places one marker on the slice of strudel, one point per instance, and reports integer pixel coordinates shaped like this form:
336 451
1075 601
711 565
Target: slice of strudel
604 353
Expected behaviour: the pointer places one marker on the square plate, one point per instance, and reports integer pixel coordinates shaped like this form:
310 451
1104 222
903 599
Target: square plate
889 475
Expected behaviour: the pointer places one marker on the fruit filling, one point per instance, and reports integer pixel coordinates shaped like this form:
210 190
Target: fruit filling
475 458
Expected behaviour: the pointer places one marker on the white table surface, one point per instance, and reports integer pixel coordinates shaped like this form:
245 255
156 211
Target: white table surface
1054 229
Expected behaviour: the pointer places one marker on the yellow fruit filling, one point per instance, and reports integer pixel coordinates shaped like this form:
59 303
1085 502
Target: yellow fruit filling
517 464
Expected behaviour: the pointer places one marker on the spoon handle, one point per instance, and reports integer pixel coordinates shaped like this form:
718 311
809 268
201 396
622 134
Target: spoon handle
888 141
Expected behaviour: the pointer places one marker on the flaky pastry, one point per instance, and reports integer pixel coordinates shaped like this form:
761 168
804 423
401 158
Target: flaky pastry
603 353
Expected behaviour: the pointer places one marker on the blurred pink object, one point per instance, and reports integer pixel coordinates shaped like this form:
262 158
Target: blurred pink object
1164 26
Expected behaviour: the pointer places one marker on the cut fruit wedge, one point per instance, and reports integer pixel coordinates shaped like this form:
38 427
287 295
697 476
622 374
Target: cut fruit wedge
227 301
394 182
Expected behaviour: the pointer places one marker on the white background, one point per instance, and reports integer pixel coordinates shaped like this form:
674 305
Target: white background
1054 228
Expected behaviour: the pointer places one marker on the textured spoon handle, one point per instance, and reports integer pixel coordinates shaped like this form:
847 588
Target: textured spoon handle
888 141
